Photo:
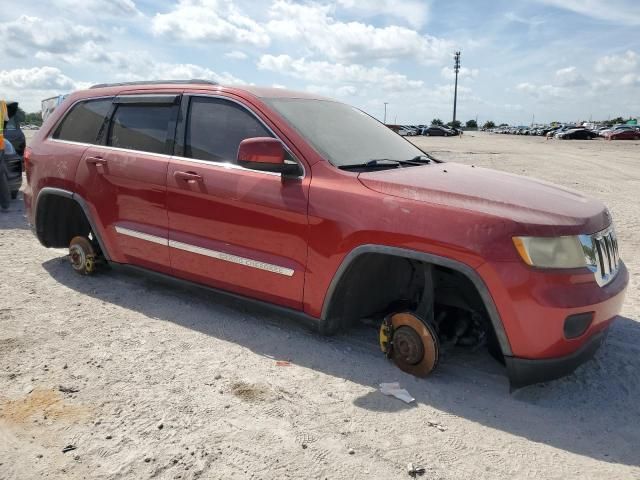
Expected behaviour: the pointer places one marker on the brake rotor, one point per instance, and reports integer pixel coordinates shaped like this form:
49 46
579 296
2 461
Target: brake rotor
82 255
414 345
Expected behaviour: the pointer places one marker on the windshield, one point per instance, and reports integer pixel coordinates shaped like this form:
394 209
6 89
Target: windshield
341 133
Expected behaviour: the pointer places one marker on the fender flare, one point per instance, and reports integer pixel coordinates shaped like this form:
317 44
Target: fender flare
460 267
60 192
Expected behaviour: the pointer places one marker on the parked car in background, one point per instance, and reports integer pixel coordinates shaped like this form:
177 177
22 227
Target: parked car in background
407 132
13 162
576 134
623 134
615 128
13 132
559 130
438 131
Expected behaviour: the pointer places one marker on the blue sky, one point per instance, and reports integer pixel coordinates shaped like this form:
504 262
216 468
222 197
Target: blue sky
556 60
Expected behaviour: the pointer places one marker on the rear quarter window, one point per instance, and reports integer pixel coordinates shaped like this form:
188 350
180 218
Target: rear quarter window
84 121
141 127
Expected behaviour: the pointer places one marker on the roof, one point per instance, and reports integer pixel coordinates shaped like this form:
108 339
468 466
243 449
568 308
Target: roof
261 92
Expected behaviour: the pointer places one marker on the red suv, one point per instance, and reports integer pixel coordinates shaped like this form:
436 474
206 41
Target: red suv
313 206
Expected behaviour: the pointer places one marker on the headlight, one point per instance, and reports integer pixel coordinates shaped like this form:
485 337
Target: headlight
552 252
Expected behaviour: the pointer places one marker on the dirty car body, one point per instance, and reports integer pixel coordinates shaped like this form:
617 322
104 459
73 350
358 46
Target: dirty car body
352 223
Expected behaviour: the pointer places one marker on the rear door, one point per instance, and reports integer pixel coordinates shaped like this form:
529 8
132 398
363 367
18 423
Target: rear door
125 178
230 227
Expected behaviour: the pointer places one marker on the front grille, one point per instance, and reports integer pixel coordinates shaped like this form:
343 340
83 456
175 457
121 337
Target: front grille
601 251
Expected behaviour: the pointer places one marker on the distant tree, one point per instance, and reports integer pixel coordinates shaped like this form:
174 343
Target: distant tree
503 125
471 124
34 118
20 116
618 120
28 118
455 124
437 121
489 124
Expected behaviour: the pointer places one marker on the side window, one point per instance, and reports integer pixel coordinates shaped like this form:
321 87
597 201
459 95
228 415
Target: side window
141 127
215 128
84 121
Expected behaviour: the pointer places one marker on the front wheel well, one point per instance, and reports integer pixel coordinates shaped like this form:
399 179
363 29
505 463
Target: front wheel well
376 284
59 219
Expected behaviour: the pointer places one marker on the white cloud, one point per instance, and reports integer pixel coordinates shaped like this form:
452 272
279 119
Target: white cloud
209 21
624 12
623 63
30 85
569 77
343 91
337 72
179 71
123 8
449 74
630 79
540 91
414 12
236 55
313 26
37 78
54 36
530 21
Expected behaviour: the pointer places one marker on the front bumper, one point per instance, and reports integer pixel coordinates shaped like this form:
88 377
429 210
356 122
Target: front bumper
534 306
524 371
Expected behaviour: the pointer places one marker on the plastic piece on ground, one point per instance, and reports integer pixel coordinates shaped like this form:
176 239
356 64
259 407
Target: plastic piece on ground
394 390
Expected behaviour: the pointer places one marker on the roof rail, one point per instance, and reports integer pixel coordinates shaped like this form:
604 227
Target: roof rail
156 82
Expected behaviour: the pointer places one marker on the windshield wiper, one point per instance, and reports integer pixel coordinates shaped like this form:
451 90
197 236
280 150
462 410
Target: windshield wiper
374 163
421 159
389 163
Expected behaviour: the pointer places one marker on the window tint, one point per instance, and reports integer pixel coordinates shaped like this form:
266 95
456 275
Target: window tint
216 127
141 127
83 122
343 134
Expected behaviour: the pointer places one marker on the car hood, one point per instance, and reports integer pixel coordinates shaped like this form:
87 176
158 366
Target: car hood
521 199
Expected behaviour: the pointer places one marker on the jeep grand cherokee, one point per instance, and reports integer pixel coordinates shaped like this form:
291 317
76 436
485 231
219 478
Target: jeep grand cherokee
315 207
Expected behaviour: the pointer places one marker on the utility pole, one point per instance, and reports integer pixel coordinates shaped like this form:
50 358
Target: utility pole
456 67
385 112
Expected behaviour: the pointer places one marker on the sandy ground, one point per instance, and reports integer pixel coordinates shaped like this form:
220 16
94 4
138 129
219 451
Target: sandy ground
146 380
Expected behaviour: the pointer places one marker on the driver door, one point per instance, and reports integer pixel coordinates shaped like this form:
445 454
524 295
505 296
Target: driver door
230 227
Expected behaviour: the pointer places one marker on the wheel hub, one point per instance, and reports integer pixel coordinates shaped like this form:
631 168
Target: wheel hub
408 345
77 256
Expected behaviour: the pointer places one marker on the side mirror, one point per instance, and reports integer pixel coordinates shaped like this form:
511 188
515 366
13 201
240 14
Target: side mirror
266 154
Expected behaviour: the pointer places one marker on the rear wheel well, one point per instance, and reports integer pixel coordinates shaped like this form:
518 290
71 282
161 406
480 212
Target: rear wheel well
376 284
59 219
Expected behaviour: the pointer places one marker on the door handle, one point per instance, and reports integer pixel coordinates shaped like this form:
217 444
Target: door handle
96 160
188 177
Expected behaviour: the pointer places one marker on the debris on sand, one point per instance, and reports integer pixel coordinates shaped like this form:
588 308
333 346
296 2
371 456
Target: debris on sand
437 425
69 448
394 390
68 389
415 470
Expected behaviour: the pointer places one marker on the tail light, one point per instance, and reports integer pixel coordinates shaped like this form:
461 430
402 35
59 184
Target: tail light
27 162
